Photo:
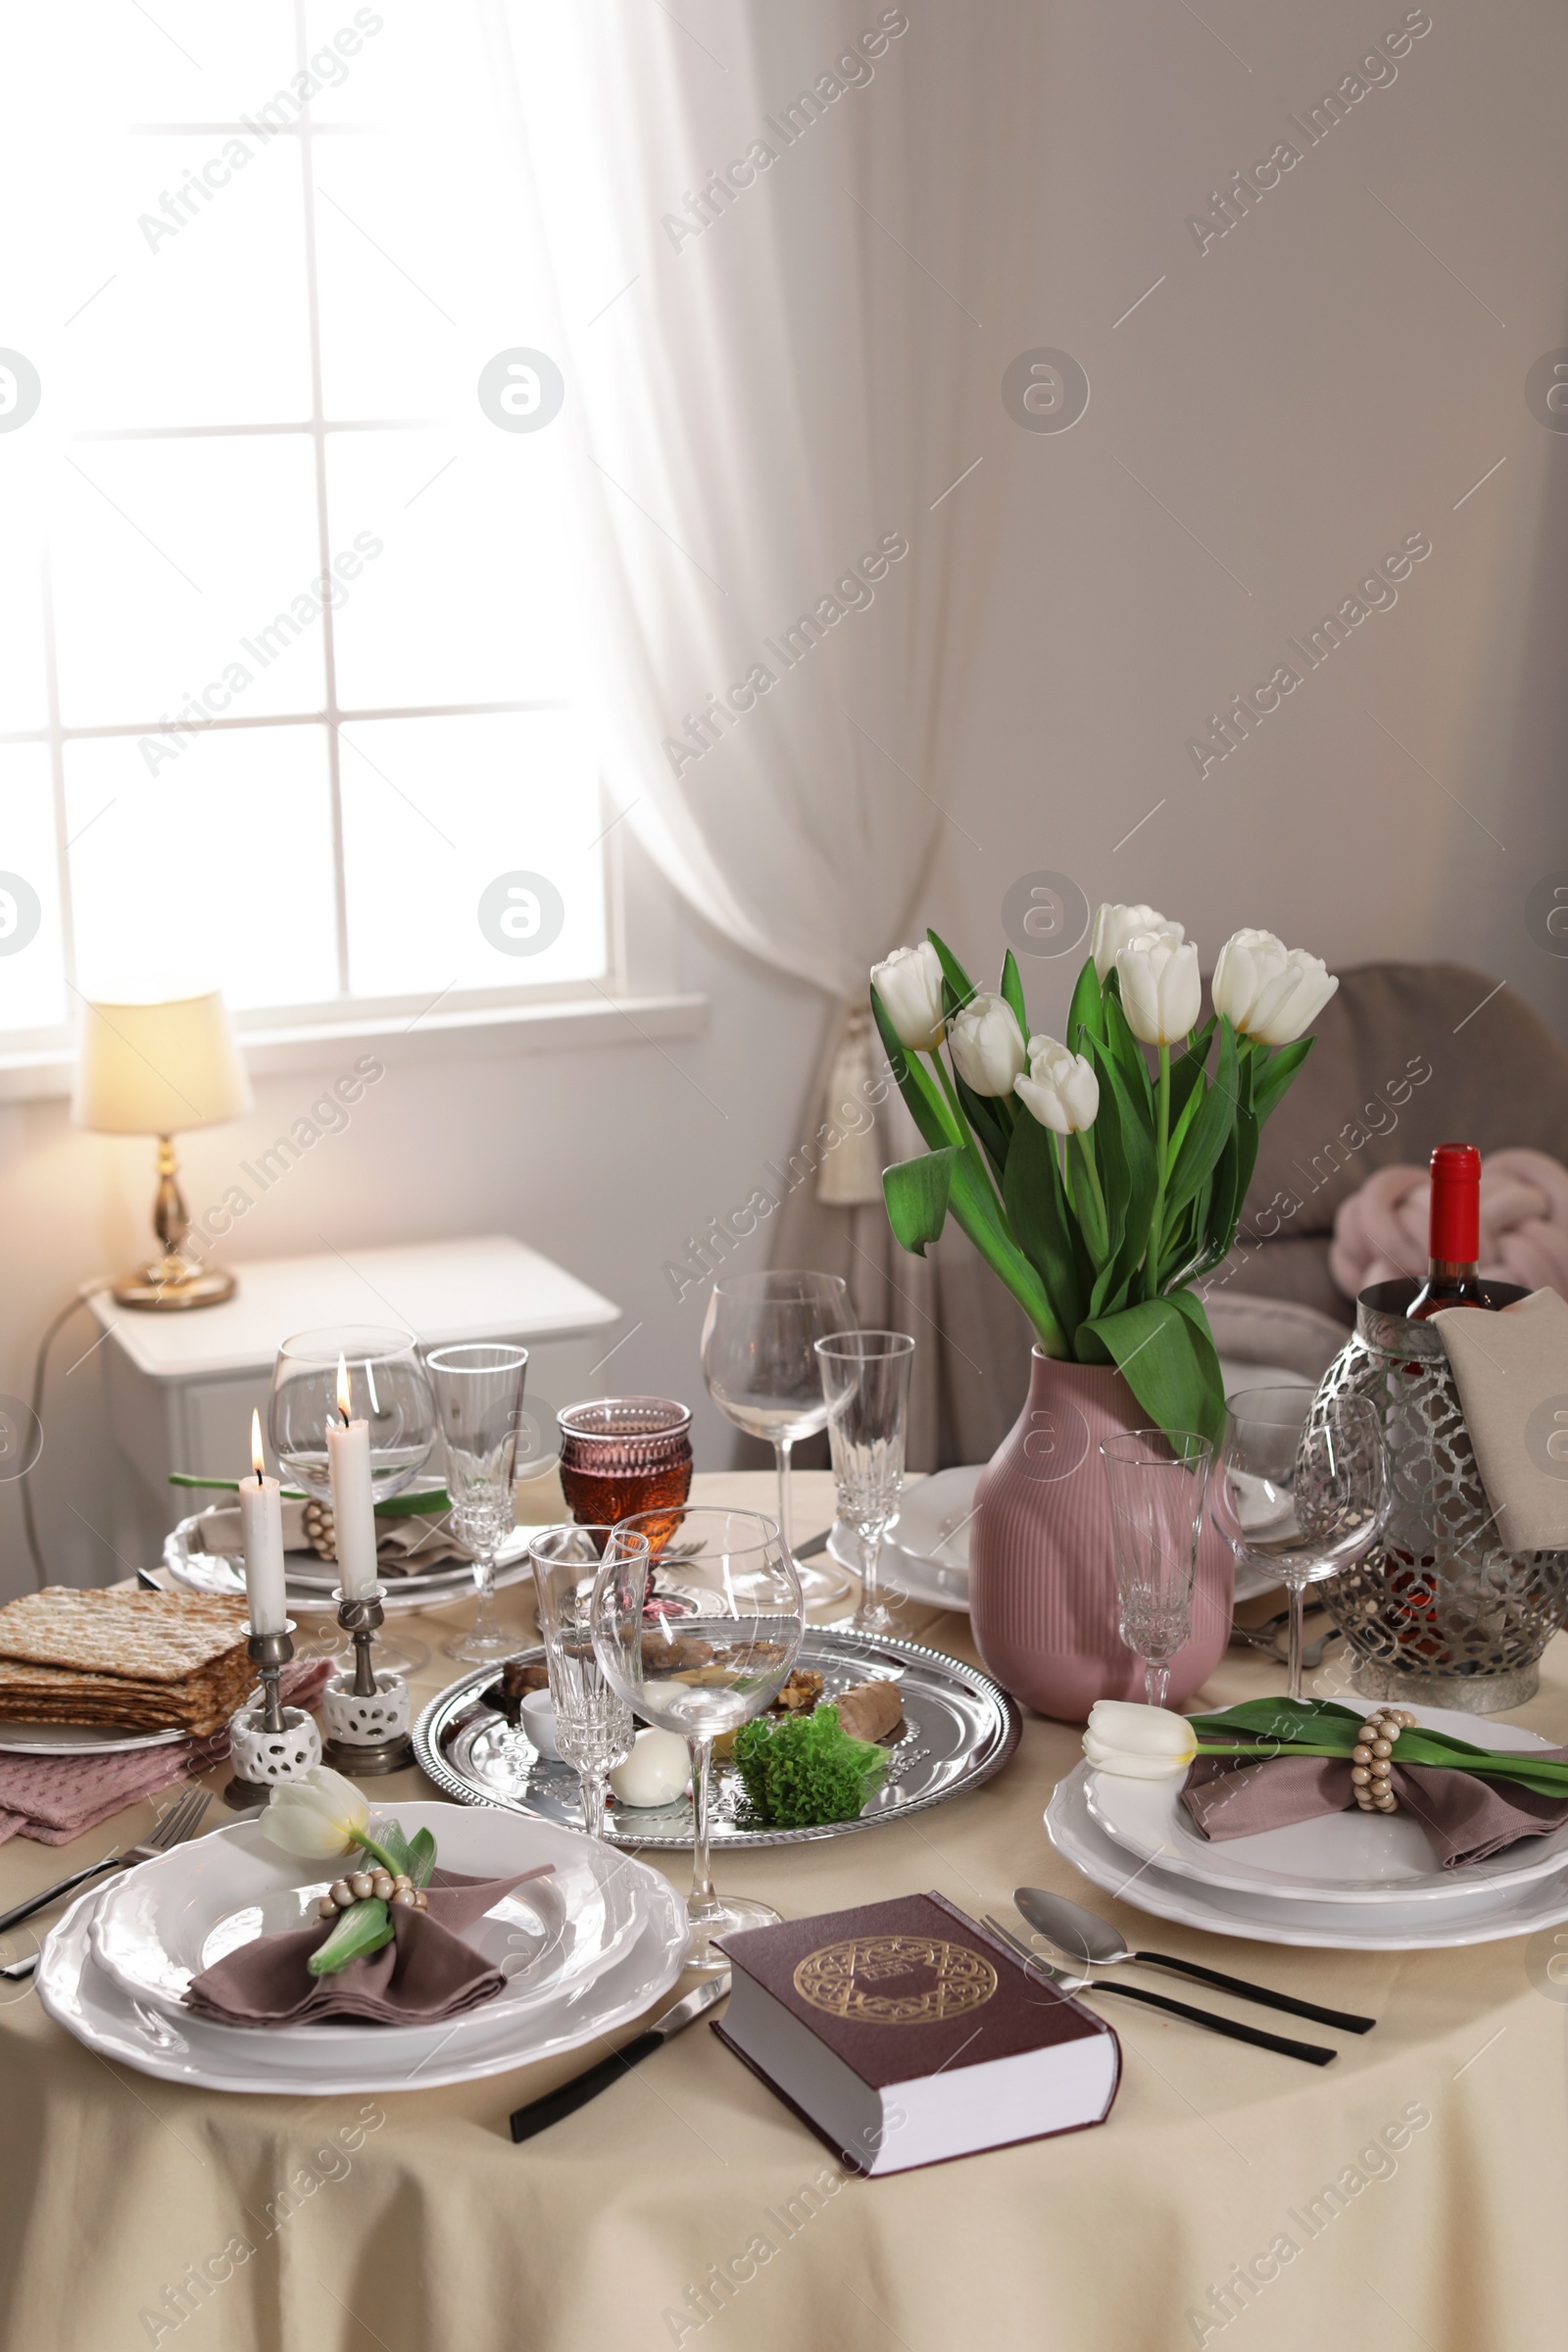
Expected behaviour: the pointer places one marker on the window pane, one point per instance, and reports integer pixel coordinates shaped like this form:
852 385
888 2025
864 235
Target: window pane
24 690
183 272
221 866
182 60
32 993
184 569
435 812
472 600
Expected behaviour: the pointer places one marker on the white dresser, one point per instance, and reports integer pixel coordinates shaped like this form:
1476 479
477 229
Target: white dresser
183 1386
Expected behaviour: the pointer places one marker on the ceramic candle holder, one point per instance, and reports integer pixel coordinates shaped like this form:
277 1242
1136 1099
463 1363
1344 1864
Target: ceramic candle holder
365 1712
271 1742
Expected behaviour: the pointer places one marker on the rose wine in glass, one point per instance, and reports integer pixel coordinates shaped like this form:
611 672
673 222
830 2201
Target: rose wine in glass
624 1457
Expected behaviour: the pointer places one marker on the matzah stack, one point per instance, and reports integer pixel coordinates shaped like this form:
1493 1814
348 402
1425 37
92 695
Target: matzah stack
141 1662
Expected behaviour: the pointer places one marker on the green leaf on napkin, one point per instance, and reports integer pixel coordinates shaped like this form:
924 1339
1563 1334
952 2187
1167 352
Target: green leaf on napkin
421 1857
363 1929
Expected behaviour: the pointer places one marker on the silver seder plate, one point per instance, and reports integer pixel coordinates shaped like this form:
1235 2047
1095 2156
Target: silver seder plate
958 1728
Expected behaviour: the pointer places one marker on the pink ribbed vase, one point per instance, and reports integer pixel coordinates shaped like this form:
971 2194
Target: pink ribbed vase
1042 1572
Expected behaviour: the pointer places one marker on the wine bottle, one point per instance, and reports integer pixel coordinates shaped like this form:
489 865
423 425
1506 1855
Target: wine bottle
1453 1272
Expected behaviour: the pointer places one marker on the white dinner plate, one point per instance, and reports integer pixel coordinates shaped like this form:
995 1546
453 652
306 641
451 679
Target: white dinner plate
926 1554
77 1996
1385 1927
1337 1857
170 1917
79 1740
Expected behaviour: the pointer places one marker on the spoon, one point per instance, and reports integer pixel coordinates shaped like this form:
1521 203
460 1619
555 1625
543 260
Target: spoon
1081 1937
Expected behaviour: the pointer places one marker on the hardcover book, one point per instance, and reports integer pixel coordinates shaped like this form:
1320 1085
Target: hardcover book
903 2034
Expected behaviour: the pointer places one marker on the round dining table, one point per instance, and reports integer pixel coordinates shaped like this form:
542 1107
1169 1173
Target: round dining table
1415 2192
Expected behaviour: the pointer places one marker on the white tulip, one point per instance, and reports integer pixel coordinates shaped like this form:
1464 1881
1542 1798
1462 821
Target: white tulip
1061 1089
316 1816
1114 926
1139 1743
1290 1002
910 985
1248 961
987 1045
1160 990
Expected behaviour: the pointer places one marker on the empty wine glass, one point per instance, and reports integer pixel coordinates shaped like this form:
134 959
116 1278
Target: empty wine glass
758 1341
865 1381
1302 1490
479 1399
389 1390
705 1674
594 1725
1157 1487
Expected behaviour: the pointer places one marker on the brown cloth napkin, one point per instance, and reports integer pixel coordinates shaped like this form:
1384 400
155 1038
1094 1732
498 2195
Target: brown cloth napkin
426 1973
53 1799
1465 1817
1512 1371
406 1545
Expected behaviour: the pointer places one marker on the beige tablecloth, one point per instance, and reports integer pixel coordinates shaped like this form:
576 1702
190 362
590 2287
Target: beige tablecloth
1416 2192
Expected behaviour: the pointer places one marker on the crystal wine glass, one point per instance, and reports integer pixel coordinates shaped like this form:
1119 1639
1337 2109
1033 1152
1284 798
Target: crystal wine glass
594 1725
1302 1490
865 1381
478 1398
705 1674
758 1337
389 1390
1156 1514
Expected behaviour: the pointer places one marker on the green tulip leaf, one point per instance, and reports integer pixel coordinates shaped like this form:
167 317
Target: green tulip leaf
1272 1077
1011 993
363 1929
1038 1212
1086 1015
421 1857
918 1193
1164 1353
914 1080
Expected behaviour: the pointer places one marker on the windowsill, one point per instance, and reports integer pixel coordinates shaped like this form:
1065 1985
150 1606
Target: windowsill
490 1030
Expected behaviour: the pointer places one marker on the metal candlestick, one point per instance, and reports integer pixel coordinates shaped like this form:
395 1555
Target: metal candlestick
367 1713
270 1744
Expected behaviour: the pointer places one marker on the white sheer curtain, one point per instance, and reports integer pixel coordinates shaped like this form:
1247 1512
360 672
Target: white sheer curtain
771 407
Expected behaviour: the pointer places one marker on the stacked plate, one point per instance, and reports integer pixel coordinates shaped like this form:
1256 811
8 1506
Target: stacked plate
313 1581
1354 1882
926 1554
582 1951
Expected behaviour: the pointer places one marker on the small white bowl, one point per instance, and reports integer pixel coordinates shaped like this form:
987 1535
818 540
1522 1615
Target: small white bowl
539 1722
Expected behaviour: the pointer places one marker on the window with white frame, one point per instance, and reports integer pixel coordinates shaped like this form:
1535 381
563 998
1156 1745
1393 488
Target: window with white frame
289 646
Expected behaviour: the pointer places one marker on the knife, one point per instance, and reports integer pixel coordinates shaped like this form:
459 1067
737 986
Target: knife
812 1545
539 2114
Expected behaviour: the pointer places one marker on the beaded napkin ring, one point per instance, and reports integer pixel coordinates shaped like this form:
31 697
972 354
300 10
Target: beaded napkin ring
400 1891
1370 1759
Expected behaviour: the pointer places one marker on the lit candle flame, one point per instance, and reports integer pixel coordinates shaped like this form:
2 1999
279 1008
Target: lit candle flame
258 1458
345 1395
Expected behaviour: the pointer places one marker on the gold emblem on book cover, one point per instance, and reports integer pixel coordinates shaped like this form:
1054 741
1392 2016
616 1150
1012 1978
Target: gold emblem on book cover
894 1980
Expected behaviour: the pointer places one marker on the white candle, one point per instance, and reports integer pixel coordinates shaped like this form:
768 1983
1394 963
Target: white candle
260 1518
348 1451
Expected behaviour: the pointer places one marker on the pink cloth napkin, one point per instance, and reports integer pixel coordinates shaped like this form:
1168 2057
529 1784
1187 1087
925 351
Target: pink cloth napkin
1380 1231
53 1799
426 1973
1465 1817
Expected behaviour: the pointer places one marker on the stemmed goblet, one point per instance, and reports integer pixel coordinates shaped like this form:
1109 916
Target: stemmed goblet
478 1398
1302 1490
865 1381
388 1390
1156 1485
594 1727
705 1674
758 1336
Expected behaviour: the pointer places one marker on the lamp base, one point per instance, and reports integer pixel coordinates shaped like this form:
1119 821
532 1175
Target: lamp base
170 1284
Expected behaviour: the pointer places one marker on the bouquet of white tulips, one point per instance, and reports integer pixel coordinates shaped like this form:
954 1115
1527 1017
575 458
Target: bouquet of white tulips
1097 1188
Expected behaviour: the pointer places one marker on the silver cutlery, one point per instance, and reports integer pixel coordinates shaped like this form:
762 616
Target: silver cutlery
1308 2051
812 1545
1080 1936
1264 1636
539 2114
180 1822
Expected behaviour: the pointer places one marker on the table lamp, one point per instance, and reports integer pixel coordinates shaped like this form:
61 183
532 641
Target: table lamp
155 1062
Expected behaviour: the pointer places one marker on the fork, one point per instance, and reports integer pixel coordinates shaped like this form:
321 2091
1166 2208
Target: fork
180 1822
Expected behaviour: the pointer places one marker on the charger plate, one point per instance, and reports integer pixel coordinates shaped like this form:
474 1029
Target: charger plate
959 1727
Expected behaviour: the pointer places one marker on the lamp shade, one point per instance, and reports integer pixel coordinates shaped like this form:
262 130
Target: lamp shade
156 1065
